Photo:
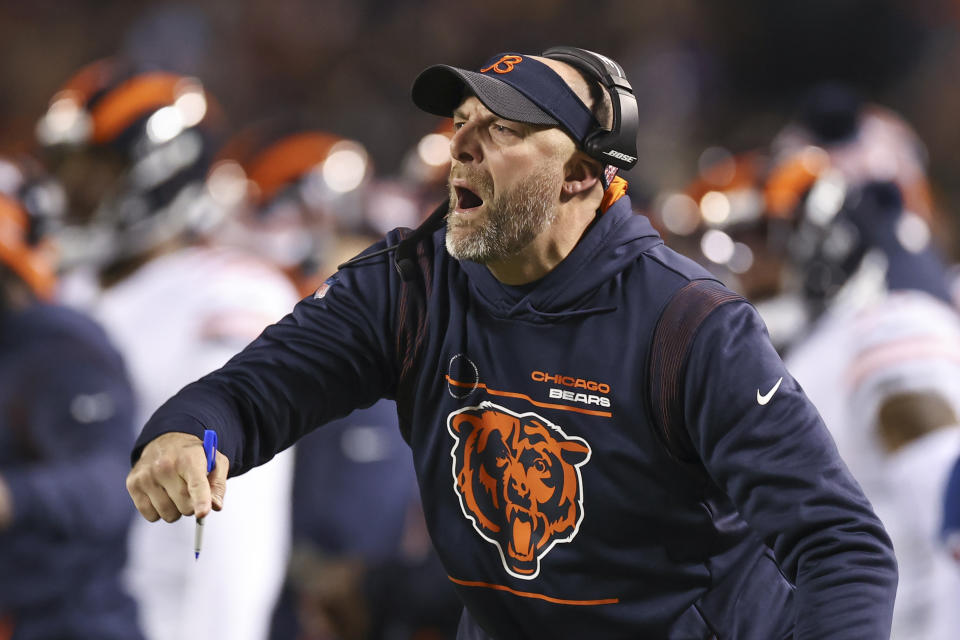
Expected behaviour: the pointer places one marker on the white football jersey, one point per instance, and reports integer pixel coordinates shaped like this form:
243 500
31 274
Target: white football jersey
177 318
855 356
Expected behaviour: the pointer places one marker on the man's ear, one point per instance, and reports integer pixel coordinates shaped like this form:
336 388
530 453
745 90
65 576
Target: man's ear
581 173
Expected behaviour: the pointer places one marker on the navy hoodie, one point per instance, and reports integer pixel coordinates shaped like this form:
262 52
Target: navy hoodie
66 412
557 506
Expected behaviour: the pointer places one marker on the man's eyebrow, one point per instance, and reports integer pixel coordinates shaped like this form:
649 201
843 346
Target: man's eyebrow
465 115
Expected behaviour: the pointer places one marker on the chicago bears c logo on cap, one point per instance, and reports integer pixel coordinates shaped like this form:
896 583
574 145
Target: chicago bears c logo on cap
503 65
518 480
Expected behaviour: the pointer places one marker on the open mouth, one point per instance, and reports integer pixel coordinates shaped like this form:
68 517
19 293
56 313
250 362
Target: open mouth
467 199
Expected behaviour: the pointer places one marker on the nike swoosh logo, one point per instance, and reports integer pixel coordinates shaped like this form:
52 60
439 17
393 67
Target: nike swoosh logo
765 398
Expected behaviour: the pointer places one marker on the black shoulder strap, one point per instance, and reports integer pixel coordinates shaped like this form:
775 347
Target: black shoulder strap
670 348
416 283
413 259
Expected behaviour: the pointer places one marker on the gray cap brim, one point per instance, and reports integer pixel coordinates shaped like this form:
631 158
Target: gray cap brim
441 88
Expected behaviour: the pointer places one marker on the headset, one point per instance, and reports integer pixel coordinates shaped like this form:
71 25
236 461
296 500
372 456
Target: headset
616 146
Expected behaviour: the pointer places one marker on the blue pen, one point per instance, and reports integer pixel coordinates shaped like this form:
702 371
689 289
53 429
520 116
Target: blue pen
209 450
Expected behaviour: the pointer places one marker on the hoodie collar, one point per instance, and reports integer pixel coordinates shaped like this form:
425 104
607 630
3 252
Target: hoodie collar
607 248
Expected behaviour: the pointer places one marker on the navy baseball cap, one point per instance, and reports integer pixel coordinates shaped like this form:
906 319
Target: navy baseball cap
514 86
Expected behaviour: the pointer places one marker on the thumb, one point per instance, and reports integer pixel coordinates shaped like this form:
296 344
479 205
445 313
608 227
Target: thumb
218 480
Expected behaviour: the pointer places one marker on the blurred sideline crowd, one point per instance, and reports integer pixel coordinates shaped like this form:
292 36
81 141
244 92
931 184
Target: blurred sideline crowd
142 244
143 241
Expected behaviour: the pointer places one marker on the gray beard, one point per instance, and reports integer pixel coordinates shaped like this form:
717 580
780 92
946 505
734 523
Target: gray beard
513 219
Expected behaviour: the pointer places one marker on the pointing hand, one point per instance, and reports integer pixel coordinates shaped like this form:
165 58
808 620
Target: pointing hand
170 479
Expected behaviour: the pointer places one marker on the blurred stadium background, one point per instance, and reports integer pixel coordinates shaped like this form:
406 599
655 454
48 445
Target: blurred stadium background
716 83
707 74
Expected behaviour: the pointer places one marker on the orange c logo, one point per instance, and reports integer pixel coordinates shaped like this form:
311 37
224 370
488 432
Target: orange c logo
504 64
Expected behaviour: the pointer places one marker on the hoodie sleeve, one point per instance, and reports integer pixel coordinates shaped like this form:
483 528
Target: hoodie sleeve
763 442
331 355
75 405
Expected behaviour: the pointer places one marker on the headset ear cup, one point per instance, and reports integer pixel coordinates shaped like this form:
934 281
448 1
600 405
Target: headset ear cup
617 147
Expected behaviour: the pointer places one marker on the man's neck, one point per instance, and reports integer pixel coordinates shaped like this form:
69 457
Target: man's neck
548 249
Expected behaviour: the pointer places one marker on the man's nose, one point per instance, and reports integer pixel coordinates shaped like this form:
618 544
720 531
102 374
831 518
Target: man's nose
464 145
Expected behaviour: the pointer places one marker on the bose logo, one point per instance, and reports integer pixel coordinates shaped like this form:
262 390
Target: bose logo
619 156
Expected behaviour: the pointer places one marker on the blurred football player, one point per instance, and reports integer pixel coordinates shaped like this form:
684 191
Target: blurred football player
66 418
902 437
878 356
829 234
306 200
722 221
133 147
296 196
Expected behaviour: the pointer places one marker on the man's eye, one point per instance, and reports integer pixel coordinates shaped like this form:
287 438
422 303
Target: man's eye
499 128
457 125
